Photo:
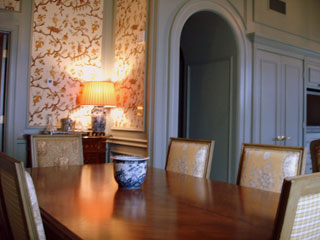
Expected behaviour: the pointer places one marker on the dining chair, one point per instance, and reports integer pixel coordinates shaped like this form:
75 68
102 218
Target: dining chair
18 196
190 156
315 155
56 150
265 166
298 215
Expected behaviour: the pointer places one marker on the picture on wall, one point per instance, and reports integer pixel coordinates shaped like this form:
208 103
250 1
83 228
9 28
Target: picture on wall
10 5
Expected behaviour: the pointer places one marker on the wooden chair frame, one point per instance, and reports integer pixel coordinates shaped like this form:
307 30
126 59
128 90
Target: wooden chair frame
301 150
314 159
293 188
210 155
35 138
16 169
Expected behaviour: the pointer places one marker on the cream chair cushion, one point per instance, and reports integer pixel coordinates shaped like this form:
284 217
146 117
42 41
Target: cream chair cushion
56 150
265 168
35 206
190 157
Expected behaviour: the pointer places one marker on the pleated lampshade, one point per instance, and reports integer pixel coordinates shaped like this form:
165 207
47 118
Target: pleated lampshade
98 93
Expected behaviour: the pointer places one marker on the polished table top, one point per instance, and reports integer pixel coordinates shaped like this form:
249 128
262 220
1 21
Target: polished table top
86 201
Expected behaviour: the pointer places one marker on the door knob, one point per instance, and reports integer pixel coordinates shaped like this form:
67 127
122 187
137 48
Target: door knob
282 138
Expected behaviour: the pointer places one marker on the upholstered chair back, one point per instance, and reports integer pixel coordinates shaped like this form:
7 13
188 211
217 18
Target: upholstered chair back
315 155
19 199
190 156
298 215
56 150
265 166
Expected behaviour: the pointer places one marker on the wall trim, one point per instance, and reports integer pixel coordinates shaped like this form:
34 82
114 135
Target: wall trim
127 146
284 48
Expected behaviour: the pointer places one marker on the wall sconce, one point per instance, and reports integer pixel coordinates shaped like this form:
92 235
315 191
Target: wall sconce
100 94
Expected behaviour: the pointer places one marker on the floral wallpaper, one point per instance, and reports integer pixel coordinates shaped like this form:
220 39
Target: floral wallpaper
129 64
13 5
66 50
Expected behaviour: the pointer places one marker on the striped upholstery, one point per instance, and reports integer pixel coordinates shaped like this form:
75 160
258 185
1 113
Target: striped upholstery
307 220
16 198
13 205
189 156
298 215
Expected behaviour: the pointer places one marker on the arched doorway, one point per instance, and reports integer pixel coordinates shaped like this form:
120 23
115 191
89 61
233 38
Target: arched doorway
241 96
207 78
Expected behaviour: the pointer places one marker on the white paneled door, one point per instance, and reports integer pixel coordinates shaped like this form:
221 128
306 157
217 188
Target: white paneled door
277 99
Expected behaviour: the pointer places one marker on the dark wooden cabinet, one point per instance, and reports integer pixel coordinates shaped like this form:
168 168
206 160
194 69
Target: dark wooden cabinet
94 149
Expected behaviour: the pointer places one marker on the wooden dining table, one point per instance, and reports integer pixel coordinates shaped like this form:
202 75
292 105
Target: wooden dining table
84 202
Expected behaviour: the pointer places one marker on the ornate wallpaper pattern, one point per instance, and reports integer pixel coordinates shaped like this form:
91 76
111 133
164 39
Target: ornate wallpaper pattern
129 64
13 5
66 48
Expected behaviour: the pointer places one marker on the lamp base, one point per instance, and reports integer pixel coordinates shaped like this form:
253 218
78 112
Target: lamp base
98 119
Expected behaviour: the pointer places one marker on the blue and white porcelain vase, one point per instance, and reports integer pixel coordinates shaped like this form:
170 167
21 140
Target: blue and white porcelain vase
129 171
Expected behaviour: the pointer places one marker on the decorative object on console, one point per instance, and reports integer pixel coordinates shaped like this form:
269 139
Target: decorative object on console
66 124
129 171
50 125
101 95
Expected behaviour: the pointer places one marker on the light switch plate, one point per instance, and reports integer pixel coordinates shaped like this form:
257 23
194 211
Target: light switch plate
141 36
50 82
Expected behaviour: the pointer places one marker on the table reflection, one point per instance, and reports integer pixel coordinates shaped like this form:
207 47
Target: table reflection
96 201
131 204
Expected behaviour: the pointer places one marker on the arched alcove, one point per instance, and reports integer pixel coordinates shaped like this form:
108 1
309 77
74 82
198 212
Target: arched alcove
169 114
207 95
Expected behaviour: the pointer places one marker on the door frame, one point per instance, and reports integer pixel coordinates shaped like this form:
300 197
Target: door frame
4 51
9 134
242 116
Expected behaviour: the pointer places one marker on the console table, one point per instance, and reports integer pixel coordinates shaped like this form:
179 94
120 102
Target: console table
94 149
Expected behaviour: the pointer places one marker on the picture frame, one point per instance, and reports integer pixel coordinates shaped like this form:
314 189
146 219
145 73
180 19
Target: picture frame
10 5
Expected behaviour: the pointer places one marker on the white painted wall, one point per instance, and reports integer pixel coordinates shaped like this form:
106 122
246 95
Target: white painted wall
302 18
296 28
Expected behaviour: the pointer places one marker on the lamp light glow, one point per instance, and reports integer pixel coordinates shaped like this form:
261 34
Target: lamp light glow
98 93
101 94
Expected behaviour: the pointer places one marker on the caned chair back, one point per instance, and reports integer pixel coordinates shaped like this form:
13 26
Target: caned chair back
56 150
265 166
19 200
190 156
298 215
315 155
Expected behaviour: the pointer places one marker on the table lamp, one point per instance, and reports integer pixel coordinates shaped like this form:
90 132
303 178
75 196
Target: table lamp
100 94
